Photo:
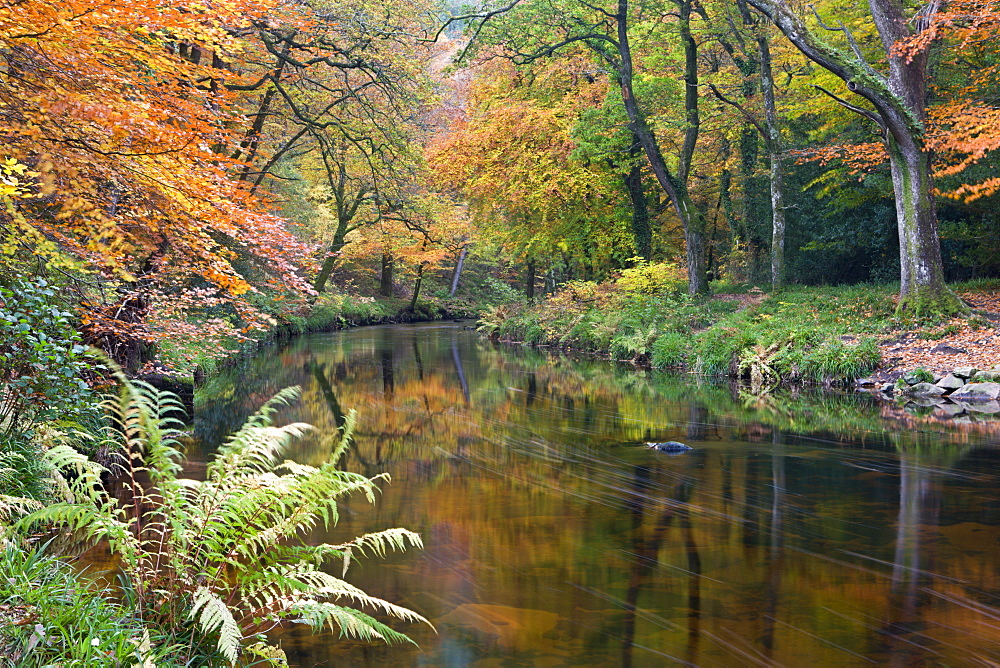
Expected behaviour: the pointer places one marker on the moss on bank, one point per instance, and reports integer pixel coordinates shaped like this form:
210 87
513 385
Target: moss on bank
814 334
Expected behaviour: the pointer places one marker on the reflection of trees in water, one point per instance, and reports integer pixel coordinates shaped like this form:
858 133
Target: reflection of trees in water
515 462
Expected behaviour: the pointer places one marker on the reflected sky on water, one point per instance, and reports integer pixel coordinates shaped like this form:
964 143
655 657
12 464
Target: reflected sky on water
802 529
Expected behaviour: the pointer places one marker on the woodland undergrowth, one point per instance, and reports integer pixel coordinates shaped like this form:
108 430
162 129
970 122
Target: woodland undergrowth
207 567
819 334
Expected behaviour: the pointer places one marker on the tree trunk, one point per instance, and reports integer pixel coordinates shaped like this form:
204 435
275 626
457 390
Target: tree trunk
642 233
328 264
922 289
458 271
529 280
385 279
774 148
675 187
416 288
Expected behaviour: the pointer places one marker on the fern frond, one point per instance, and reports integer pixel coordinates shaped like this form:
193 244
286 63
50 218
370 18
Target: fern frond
346 436
16 506
381 541
213 615
351 623
85 483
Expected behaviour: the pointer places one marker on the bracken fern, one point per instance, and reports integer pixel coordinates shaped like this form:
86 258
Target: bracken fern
224 560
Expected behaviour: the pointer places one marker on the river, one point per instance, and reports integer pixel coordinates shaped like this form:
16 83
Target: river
803 529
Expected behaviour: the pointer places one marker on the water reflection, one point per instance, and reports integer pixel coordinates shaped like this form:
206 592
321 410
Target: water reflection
801 529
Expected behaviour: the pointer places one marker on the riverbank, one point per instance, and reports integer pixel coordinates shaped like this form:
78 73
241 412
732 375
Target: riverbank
825 335
183 360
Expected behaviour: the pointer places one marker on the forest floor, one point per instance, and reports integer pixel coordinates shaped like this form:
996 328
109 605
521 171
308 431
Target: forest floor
959 342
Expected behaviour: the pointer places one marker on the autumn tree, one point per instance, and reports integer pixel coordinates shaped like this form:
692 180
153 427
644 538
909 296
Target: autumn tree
529 31
899 101
512 158
120 109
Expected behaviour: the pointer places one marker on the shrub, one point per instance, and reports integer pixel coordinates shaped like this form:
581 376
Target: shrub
670 350
650 278
42 362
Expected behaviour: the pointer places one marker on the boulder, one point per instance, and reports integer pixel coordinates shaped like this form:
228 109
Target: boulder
669 446
976 392
887 388
986 377
864 382
917 376
925 390
950 382
965 371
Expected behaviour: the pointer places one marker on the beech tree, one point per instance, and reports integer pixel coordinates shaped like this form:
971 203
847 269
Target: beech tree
117 107
527 31
899 101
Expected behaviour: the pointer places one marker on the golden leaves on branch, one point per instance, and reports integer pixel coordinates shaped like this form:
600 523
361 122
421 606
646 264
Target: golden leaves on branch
128 131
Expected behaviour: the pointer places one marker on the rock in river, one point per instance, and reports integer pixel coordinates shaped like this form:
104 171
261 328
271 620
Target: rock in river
669 446
976 392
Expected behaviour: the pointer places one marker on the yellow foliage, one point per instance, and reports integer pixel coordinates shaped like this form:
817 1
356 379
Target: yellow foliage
653 277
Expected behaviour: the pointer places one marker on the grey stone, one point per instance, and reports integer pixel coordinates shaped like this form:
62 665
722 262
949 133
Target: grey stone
925 390
976 392
917 376
864 382
950 382
888 388
965 371
986 377
669 446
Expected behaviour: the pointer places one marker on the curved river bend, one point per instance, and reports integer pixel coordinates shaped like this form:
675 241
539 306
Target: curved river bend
821 530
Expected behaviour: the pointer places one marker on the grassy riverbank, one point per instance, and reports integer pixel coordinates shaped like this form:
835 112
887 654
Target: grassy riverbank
813 334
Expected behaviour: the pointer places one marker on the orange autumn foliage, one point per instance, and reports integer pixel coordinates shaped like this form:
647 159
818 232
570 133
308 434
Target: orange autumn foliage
963 122
122 108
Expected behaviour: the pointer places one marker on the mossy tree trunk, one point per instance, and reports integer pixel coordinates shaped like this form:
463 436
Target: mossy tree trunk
385 277
674 185
529 280
416 288
642 233
899 100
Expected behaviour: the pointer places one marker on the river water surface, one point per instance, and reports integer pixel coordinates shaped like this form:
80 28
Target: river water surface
801 530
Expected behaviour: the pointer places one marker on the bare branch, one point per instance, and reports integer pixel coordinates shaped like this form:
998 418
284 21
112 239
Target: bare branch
870 115
743 110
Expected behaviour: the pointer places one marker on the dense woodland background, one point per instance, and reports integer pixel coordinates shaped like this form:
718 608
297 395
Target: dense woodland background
206 169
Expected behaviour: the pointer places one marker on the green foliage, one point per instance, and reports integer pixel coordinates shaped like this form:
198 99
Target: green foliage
49 617
24 472
816 334
42 362
216 562
670 350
